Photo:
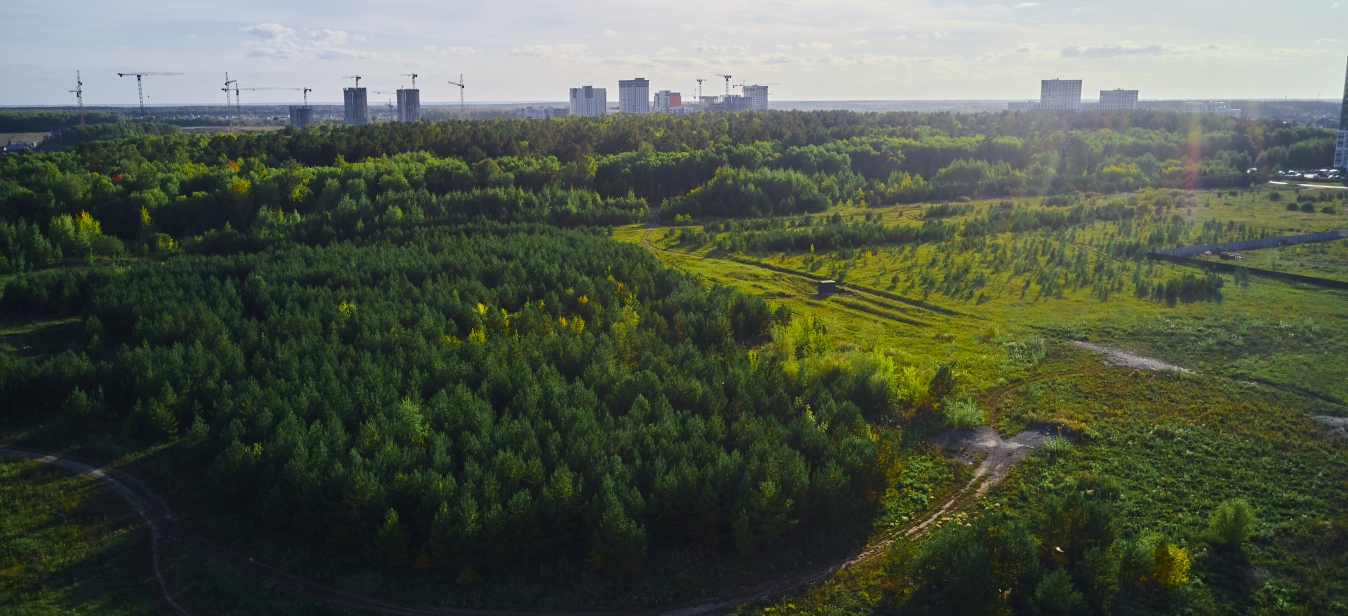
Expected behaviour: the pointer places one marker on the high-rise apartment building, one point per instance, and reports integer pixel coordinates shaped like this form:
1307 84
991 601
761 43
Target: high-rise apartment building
1210 107
1060 95
301 117
588 101
1341 146
409 105
541 113
1116 100
666 101
634 96
757 97
356 106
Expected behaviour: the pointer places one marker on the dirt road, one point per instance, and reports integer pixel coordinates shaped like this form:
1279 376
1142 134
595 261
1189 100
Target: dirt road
1000 455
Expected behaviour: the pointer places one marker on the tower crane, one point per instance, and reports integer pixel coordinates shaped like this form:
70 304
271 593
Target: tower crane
79 95
414 79
699 89
356 77
459 83
727 84
391 115
139 90
229 110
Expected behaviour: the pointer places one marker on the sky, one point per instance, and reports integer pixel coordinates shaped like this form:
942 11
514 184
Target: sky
533 50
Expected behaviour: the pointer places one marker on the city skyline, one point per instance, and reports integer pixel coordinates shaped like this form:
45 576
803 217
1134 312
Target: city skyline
815 51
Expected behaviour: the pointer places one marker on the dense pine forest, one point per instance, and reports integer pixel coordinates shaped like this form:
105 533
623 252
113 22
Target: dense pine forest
419 341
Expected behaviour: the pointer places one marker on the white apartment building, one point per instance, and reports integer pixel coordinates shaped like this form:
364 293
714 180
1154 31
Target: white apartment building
634 96
1341 151
1118 100
588 101
1060 95
1215 108
541 113
667 102
757 97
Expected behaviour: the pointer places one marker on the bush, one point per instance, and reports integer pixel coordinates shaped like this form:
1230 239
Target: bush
1308 207
1232 523
1292 207
1329 209
1275 196
964 414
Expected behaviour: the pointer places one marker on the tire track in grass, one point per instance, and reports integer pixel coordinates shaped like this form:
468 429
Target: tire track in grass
1000 455
138 504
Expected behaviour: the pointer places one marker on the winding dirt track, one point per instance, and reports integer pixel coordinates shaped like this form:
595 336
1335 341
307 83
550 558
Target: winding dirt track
1001 454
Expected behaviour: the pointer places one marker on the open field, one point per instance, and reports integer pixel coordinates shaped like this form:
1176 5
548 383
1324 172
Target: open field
1322 260
1257 351
28 137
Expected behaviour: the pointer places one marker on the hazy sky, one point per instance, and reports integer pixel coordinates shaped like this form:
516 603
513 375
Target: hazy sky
514 50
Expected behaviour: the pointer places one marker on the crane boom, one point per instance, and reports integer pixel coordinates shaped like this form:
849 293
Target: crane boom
356 77
414 78
727 84
139 90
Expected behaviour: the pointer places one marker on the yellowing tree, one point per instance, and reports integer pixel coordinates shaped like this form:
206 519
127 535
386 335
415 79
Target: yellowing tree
1170 566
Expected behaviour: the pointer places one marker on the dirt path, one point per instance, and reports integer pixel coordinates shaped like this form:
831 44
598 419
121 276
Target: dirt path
1001 454
138 504
1119 357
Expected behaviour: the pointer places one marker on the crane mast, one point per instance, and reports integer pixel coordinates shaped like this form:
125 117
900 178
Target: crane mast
459 83
140 91
79 95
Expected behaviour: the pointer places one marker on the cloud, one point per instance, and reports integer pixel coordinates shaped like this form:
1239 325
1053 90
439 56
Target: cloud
445 51
1111 51
548 51
814 45
1025 5
278 42
270 32
1025 49
860 42
608 33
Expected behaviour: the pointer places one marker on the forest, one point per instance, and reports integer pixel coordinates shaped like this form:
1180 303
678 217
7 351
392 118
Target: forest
421 342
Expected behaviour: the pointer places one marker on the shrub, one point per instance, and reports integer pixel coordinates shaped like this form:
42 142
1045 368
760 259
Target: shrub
1275 196
1291 207
1328 209
964 414
1232 523
1308 207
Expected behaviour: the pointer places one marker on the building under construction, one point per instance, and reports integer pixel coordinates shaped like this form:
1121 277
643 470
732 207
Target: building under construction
1341 145
357 106
301 117
409 105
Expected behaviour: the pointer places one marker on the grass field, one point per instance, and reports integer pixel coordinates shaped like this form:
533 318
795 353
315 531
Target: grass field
1323 260
1267 357
28 137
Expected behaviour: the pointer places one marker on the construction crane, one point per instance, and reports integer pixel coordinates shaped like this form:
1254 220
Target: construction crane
229 109
139 90
727 84
699 88
391 115
79 95
414 79
459 83
356 77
